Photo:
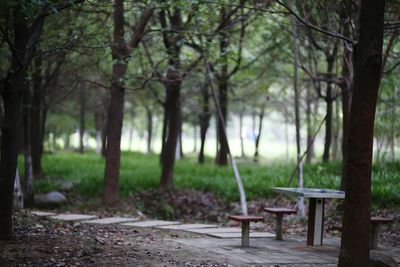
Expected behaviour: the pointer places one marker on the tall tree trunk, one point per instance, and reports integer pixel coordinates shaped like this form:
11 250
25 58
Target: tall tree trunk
37 118
393 126
335 137
82 107
295 43
149 116
194 138
104 124
164 131
130 138
174 123
329 110
241 134
222 154
355 244
204 119
310 143
347 88
12 100
28 183
258 134
180 144
116 109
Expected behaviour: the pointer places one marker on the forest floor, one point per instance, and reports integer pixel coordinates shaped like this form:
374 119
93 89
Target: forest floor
40 241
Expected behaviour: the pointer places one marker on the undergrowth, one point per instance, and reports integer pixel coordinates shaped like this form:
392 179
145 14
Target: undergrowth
140 172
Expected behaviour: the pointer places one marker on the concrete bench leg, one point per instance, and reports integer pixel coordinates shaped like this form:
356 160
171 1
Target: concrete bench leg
278 227
245 234
374 236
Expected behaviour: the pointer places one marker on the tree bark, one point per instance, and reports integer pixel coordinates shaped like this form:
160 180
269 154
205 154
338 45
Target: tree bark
222 154
149 116
28 181
120 54
12 101
258 136
173 125
116 109
36 118
347 88
82 108
204 119
241 134
104 126
336 130
330 58
367 71
164 131
310 143
295 44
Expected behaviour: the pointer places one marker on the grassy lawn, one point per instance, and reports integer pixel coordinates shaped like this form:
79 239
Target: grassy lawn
141 172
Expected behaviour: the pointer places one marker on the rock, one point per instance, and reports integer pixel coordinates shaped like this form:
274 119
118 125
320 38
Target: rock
66 186
52 199
377 259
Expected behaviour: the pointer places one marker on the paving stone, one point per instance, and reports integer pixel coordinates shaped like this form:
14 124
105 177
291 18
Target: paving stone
149 223
239 235
73 217
215 230
43 213
111 220
187 226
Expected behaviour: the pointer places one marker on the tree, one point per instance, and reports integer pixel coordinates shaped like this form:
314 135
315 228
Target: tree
22 39
367 60
121 51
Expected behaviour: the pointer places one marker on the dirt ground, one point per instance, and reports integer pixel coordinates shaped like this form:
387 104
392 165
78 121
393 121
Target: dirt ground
40 241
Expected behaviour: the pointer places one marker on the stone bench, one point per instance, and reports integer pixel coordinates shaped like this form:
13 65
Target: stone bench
279 213
375 229
245 221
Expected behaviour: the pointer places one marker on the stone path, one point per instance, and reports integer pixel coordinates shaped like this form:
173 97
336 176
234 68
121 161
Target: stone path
111 220
264 249
150 223
73 217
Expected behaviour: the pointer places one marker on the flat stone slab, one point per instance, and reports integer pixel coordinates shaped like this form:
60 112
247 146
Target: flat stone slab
215 230
187 226
111 220
239 235
43 213
150 223
73 217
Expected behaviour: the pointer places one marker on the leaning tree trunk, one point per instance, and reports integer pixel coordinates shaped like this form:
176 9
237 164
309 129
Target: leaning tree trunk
173 129
355 244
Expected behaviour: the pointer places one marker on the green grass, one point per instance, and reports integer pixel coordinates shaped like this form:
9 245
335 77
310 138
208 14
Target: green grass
140 172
